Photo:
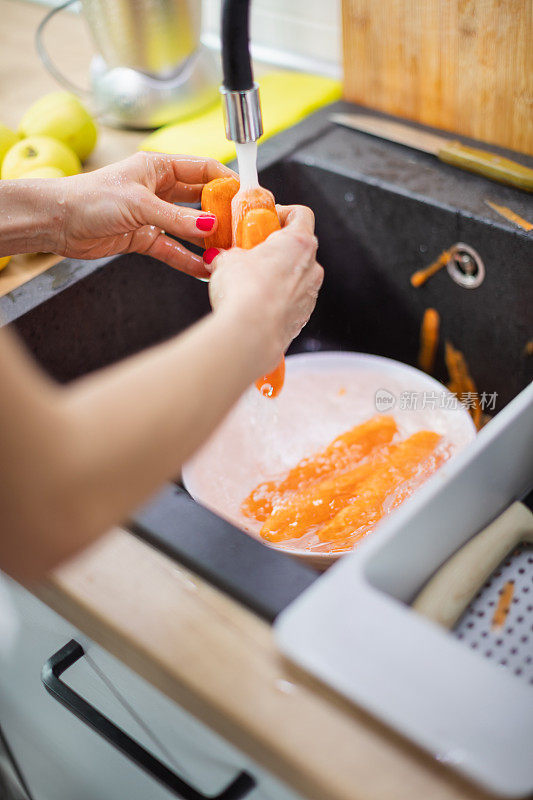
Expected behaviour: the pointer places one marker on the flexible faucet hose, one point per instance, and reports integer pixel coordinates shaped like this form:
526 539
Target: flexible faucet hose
236 63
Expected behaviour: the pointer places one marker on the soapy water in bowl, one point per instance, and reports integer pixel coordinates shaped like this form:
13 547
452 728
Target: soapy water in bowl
263 438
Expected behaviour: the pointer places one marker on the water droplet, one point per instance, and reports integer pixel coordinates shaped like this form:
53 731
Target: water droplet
267 390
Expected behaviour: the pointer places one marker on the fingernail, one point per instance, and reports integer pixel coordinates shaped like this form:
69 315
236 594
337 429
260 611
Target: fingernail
210 254
205 222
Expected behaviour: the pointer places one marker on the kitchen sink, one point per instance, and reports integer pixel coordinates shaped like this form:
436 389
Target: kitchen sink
383 211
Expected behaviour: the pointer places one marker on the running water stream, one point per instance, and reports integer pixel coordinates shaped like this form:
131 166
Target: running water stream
247 160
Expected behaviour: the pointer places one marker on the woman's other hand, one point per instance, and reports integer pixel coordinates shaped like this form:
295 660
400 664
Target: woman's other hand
129 207
273 287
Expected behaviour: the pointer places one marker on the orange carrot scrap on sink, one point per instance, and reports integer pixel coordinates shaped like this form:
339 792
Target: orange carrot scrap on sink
420 277
504 604
429 340
344 452
412 457
461 382
512 216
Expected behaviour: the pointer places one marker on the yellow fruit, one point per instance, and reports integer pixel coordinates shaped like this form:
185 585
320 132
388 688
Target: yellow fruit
44 172
61 116
4 262
36 152
7 139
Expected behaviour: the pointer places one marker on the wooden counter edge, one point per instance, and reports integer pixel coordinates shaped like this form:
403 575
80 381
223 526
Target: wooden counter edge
219 661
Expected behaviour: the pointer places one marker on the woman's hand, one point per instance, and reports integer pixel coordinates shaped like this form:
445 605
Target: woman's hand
123 208
129 207
273 287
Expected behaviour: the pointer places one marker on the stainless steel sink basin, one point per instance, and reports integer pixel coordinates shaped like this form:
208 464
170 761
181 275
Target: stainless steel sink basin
382 212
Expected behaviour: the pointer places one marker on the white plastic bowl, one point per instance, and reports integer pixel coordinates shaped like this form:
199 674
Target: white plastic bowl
325 394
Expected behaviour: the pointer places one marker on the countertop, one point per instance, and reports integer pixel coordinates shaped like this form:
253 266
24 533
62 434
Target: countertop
195 644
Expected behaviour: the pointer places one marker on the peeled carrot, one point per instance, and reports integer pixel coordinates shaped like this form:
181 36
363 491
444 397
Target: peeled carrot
216 199
307 511
429 339
343 453
256 226
248 200
251 227
409 459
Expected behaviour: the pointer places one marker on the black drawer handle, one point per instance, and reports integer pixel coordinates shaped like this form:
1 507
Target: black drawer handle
51 674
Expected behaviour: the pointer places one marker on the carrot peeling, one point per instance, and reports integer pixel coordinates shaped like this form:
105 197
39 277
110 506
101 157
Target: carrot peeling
429 340
512 216
461 382
420 277
504 604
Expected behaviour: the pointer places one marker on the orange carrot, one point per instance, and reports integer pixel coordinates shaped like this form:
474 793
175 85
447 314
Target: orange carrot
256 226
343 453
429 339
307 511
247 200
410 458
216 199
251 227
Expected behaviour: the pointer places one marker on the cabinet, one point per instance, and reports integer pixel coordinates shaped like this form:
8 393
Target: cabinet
62 758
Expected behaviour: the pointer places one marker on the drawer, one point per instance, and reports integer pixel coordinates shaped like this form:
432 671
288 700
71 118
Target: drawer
61 757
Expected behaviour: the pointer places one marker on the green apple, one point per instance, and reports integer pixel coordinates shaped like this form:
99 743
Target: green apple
62 116
36 152
7 139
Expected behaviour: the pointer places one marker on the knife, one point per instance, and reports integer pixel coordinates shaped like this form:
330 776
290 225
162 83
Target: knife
452 152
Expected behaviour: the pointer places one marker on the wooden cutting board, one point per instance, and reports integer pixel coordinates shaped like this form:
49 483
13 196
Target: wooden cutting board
465 66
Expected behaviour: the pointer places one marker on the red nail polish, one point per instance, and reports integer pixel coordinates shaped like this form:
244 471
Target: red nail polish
205 222
210 254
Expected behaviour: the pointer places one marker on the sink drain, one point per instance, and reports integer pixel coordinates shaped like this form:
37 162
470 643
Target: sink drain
465 266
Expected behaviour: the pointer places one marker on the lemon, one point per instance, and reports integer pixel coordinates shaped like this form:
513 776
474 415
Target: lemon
36 152
62 116
44 172
4 262
7 139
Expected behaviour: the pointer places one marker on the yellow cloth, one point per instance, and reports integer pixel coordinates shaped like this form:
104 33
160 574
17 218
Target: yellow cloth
286 98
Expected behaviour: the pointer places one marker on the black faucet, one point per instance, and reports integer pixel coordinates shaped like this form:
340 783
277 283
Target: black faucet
242 108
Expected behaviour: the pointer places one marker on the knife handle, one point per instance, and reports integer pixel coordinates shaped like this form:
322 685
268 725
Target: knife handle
488 164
